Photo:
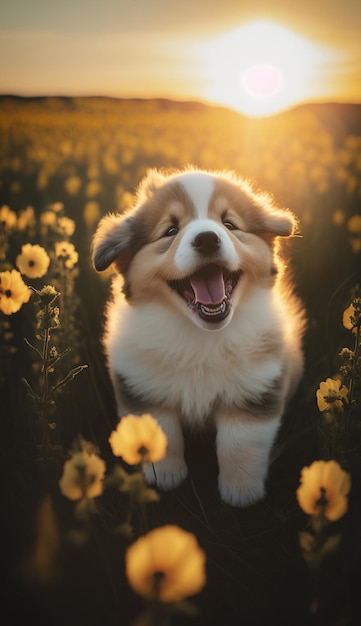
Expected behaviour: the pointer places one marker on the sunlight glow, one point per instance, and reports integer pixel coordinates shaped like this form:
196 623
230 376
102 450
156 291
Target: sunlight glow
262 80
262 68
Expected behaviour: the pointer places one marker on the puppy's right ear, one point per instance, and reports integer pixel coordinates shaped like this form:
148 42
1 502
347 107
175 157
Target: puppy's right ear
113 242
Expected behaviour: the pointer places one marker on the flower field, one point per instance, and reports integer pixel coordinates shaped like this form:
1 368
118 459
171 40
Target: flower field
85 540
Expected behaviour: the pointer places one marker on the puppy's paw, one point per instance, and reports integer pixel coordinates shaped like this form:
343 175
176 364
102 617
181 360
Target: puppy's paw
166 474
242 495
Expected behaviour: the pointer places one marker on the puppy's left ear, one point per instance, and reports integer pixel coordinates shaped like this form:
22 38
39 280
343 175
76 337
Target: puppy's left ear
113 242
280 223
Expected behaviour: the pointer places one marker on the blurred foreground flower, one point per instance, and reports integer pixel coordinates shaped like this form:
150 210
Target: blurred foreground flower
42 564
83 476
33 261
137 439
324 489
167 565
13 292
331 393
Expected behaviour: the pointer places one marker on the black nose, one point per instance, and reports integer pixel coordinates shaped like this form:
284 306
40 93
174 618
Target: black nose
207 242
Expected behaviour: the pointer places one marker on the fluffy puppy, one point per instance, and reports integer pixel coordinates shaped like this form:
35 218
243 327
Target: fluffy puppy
202 324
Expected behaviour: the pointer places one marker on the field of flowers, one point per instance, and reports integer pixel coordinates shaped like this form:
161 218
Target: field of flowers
85 541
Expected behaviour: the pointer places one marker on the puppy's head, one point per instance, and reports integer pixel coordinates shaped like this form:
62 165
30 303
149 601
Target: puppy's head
196 242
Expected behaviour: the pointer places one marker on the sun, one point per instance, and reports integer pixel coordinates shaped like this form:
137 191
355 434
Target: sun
262 68
262 80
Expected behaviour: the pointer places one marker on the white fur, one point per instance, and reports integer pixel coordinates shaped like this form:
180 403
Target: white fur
199 186
243 482
186 257
207 364
187 375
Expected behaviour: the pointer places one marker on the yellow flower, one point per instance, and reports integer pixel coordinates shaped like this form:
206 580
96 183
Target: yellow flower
354 227
13 292
91 213
137 439
66 226
48 294
72 185
166 564
324 486
66 251
57 206
83 476
33 261
93 189
355 242
48 218
352 316
331 392
7 217
347 315
338 217
26 218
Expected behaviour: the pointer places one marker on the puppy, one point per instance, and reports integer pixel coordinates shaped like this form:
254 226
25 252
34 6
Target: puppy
202 324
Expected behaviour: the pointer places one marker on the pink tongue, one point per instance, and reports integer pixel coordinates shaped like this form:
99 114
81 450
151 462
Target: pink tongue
208 285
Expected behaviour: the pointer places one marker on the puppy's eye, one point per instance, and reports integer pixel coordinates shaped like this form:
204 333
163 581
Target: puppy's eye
229 225
171 232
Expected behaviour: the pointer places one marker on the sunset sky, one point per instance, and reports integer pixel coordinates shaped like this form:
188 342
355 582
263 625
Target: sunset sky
233 53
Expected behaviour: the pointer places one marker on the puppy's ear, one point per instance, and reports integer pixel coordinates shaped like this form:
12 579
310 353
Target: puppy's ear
280 223
113 241
270 221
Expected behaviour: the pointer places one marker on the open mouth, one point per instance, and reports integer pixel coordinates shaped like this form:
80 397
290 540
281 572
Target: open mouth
208 291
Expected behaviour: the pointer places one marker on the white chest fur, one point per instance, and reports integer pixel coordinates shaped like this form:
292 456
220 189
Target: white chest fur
172 362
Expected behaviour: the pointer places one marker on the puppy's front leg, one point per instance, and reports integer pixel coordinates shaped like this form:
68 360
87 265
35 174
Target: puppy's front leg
243 450
172 470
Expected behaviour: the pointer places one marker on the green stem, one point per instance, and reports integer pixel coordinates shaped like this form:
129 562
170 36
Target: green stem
351 388
45 394
63 296
334 436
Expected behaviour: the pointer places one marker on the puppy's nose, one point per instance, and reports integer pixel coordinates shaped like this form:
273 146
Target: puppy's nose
207 242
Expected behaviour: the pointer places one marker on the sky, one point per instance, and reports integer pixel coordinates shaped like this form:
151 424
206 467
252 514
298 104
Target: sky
227 52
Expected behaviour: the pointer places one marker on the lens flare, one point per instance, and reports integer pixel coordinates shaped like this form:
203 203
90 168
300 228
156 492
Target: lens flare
261 80
262 68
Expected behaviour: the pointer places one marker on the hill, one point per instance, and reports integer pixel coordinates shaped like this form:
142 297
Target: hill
331 114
